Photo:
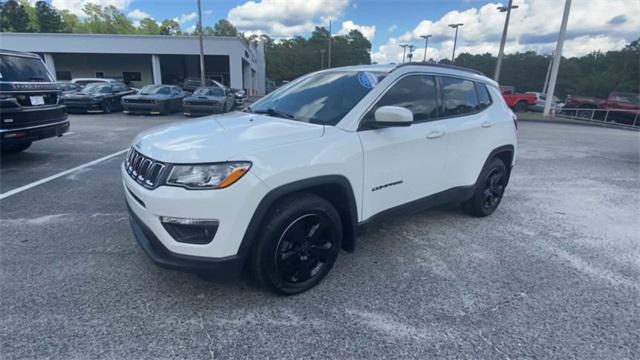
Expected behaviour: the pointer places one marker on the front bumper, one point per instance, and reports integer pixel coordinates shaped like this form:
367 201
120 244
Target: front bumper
74 107
202 109
232 207
155 108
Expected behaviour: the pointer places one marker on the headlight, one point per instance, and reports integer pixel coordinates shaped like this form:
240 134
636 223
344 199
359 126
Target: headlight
207 176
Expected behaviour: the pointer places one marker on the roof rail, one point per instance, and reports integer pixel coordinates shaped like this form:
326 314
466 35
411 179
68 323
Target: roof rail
445 66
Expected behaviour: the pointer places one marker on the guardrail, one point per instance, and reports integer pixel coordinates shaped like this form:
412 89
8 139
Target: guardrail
615 117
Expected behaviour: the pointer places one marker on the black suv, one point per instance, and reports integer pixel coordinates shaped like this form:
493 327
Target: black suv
29 106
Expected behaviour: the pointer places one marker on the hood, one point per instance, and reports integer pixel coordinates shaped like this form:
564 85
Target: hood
147 97
204 97
218 138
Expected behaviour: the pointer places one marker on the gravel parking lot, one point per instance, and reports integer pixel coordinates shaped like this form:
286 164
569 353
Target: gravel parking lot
554 273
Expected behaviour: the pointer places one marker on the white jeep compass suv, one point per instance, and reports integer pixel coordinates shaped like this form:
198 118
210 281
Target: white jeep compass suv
284 185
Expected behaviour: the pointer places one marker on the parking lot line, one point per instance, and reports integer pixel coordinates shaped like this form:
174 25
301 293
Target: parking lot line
20 189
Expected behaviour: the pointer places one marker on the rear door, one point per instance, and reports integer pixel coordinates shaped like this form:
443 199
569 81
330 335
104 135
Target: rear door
403 164
469 127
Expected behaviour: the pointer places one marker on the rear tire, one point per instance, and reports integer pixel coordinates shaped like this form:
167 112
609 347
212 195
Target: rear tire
14 149
106 107
489 189
298 244
521 106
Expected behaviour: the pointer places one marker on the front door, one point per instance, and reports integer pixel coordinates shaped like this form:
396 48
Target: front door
403 164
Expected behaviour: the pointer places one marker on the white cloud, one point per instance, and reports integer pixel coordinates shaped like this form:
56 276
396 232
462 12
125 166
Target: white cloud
279 18
75 6
392 28
138 14
368 31
185 18
593 25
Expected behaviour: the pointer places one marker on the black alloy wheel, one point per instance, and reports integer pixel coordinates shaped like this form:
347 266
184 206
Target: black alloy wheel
489 189
297 244
305 247
494 188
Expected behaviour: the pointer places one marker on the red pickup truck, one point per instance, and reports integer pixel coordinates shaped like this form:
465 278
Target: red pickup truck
628 102
518 102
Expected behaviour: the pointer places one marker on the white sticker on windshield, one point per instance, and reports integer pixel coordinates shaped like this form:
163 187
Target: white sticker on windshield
367 79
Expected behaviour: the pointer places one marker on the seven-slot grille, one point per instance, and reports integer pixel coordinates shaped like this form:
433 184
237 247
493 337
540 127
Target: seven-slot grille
144 170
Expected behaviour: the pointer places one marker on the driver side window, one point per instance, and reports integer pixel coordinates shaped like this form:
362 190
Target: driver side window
415 92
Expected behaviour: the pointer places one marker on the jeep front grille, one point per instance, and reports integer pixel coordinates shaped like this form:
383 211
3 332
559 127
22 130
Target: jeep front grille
147 172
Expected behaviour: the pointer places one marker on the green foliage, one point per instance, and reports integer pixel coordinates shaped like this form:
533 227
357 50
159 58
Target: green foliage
224 28
14 17
149 26
170 27
290 58
48 19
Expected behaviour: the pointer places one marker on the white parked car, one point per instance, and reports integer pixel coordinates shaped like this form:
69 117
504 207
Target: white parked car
284 185
541 98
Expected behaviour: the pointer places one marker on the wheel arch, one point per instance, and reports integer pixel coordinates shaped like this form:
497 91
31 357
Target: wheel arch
334 188
504 153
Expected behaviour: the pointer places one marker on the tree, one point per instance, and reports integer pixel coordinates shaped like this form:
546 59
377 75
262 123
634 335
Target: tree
224 28
71 23
149 26
170 27
14 17
49 21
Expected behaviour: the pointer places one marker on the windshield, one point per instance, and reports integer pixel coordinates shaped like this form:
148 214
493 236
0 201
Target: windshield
322 98
155 89
97 88
209 92
22 69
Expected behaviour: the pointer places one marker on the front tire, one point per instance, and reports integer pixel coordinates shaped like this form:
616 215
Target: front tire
298 245
489 190
106 107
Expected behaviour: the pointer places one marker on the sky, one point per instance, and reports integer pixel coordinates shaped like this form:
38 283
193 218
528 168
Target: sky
593 24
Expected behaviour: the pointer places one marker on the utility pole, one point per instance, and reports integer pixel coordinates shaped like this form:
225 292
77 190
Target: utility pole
556 58
546 78
329 54
404 51
506 9
455 40
426 46
200 34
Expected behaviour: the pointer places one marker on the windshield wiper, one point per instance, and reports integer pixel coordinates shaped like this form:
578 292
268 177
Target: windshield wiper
276 113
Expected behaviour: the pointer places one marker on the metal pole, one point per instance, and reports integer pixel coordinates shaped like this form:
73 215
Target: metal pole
202 81
504 38
546 78
426 46
329 53
455 40
404 51
556 59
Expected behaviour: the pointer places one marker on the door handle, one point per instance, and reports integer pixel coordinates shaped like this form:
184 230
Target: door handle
435 134
487 124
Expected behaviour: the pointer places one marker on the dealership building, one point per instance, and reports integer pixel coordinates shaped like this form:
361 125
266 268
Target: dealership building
146 59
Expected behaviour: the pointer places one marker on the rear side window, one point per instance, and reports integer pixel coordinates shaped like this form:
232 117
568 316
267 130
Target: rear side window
22 69
417 93
459 96
484 100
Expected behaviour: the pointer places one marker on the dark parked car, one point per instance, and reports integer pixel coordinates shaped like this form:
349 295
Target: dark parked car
239 96
154 99
29 107
68 87
103 97
192 84
208 100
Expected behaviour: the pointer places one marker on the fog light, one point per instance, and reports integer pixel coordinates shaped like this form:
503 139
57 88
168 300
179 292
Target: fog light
191 231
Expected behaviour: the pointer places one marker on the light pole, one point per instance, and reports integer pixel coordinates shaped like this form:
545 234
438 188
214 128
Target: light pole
410 56
329 52
455 40
404 51
202 82
426 46
546 77
556 58
506 9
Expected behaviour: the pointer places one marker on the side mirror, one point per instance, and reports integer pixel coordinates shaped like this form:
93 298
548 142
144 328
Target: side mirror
393 116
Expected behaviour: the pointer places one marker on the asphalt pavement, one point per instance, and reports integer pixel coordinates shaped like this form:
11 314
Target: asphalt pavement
553 274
